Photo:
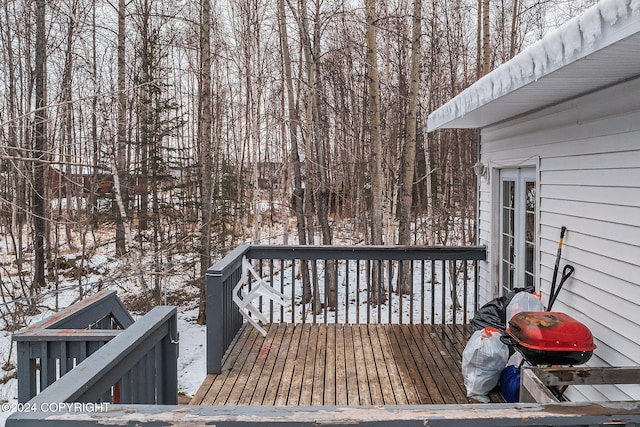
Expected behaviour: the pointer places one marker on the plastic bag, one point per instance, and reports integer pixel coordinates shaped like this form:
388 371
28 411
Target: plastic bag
516 360
510 384
490 315
493 313
523 301
483 359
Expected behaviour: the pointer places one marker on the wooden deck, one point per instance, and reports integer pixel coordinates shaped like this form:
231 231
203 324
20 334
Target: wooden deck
310 365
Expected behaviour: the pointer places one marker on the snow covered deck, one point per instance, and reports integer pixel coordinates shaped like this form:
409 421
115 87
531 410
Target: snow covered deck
344 365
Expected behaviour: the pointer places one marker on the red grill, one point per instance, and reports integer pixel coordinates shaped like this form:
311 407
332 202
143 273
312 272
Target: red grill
550 338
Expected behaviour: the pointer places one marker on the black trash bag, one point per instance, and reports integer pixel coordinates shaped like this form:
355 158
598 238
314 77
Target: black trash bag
493 313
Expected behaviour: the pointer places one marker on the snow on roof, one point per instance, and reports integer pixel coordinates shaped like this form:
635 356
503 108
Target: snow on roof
596 49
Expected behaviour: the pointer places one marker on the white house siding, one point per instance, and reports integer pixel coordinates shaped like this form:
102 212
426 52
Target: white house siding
587 152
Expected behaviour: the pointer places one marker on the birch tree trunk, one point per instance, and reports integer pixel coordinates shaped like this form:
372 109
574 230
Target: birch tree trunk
409 158
121 148
319 136
298 191
316 182
486 40
479 69
204 141
373 79
93 199
18 203
145 116
67 127
40 135
514 25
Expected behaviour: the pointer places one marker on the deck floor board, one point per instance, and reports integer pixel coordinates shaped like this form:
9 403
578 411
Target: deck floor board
319 364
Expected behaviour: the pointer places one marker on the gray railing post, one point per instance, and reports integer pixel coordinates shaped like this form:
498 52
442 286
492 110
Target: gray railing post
26 373
223 316
215 323
169 366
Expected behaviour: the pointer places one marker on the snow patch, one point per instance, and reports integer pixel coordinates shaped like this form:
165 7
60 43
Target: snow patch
613 9
590 25
554 48
571 37
192 361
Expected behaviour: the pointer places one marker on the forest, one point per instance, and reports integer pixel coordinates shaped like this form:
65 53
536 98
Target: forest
165 132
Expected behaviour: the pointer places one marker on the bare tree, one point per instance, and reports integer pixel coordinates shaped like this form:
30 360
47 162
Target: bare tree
292 117
204 142
318 182
120 153
486 39
377 186
409 157
17 170
40 148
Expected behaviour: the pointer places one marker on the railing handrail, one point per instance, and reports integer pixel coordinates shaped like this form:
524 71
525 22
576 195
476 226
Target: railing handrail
311 252
229 262
84 313
88 381
372 252
68 335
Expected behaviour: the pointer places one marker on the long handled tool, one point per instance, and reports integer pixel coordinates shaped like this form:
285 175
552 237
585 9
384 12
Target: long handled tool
567 271
557 266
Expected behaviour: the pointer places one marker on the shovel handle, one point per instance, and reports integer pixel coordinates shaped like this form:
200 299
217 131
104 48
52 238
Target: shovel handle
557 264
567 271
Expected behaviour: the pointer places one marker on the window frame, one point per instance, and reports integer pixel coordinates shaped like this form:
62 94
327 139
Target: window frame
519 262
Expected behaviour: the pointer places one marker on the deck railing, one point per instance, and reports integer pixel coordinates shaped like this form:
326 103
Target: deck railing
344 284
142 360
122 362
49 349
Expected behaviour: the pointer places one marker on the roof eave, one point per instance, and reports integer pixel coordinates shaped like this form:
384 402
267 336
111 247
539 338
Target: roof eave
503 94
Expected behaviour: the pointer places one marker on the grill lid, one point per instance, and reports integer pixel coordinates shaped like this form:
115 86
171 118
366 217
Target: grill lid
550 331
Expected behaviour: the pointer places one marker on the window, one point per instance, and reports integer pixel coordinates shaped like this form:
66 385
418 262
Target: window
517 228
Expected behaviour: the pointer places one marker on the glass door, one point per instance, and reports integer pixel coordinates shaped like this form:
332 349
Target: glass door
518 200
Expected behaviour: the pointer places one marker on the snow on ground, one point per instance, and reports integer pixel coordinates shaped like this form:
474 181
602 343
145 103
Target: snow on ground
192 367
